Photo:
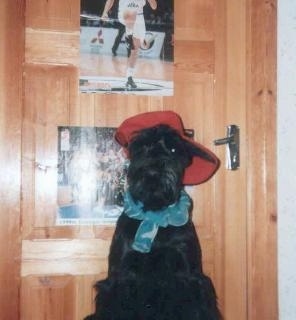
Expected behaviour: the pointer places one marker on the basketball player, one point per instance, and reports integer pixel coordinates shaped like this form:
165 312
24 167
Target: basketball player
130 14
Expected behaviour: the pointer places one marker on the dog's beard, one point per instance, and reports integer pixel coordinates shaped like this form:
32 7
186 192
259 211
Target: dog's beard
156 183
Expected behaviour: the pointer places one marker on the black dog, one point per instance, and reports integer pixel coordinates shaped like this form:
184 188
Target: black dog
155 263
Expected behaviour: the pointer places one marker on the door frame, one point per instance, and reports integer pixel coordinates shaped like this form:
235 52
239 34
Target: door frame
261 116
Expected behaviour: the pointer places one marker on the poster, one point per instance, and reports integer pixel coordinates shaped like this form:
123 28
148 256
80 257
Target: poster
91 176
110 62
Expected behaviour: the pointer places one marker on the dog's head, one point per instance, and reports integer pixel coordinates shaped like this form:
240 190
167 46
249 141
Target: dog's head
158 159
162 158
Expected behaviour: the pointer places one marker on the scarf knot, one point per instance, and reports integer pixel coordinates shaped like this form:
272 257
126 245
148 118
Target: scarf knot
176 214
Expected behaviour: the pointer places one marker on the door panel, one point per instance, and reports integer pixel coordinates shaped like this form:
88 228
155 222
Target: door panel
58 256
53 15
50 97
48 297
211 89
58 297
44 46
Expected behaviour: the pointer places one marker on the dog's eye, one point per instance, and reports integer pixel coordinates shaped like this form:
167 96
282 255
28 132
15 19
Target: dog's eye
173 150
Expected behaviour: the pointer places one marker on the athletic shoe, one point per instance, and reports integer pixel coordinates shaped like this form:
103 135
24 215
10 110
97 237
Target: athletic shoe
130 84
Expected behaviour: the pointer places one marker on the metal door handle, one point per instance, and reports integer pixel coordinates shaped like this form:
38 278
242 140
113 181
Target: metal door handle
232 148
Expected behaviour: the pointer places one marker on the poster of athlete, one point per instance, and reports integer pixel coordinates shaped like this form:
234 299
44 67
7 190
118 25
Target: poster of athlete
91 176
126 47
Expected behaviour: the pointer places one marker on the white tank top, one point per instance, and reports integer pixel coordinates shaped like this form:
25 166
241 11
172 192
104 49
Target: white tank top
133 5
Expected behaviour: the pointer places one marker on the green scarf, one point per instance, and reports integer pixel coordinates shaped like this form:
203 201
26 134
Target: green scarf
175 214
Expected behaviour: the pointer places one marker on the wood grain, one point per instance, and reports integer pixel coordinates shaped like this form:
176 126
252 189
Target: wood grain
11 60
235 255
48 297
75 257
53 15
52 47
261 126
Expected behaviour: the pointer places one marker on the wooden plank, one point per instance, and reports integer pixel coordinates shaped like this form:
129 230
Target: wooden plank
52 47
235 236
85 298
75 257
197 57
53 15
219 121
57 297
261 115
50 98
11 60
49 297
194 20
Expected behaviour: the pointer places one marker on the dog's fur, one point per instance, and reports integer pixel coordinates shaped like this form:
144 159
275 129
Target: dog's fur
167 283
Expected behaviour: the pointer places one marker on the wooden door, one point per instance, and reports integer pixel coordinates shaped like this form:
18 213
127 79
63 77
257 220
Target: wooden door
223 74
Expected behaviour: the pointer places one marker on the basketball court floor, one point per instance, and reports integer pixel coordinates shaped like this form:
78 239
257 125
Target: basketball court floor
105 73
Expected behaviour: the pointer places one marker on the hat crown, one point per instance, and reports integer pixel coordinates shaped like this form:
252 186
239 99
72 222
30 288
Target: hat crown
132 125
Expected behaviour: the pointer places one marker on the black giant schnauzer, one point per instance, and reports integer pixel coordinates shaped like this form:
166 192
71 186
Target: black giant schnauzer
155 263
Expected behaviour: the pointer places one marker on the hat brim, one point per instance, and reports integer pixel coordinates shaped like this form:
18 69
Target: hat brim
201 169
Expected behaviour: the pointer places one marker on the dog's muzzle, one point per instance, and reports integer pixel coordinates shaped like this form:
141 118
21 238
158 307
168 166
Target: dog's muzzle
156 183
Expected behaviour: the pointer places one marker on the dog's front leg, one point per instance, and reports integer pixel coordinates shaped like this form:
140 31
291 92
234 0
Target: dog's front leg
121 243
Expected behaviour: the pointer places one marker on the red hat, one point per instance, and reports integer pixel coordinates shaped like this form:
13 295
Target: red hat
200 169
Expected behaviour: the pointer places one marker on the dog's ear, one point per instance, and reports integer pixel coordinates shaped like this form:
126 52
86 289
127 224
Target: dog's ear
194 151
